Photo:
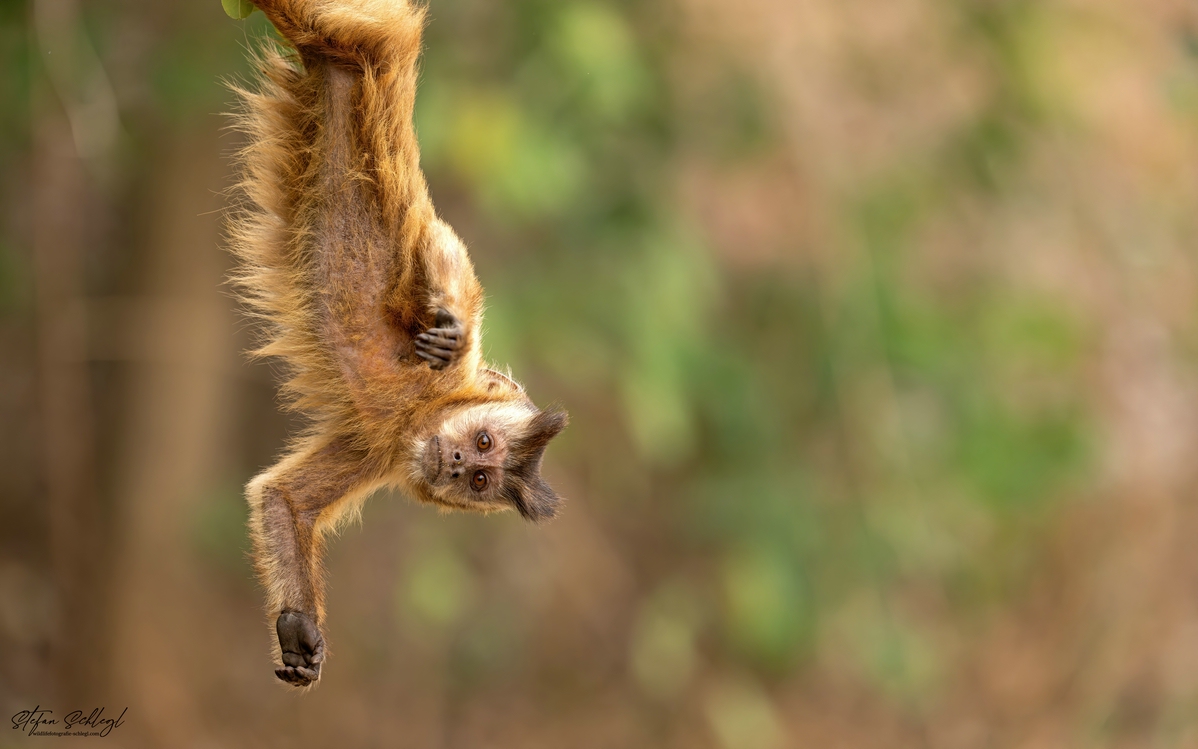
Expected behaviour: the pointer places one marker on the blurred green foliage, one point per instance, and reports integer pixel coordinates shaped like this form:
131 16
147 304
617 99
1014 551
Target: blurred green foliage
218 533
237 8
664 655
438 588
750 398
742 717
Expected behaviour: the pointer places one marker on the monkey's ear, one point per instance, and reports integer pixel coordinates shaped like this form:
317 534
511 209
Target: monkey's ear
545 426
525 489
496 380
535 500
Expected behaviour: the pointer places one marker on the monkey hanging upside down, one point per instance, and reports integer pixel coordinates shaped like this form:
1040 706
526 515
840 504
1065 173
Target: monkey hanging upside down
372 302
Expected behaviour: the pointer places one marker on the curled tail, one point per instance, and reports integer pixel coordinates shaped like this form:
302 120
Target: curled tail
315 263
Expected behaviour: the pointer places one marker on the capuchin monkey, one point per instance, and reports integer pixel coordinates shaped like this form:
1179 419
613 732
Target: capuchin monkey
371 301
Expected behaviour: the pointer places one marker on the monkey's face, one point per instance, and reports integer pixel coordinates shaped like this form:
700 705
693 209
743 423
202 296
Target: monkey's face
488 458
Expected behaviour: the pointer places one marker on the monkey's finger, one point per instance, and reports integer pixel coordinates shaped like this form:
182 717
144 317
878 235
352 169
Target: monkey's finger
435 364
443 353
441 344
310 674
297 681
300 677
441 337
424 345
287 673
433 361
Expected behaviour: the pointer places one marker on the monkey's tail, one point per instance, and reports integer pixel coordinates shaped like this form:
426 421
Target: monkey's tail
370 31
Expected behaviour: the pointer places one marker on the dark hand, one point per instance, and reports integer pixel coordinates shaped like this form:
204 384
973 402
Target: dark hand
442 345
302 646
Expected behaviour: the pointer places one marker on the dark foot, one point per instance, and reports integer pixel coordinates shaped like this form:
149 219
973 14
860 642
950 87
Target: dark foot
442 345
302 646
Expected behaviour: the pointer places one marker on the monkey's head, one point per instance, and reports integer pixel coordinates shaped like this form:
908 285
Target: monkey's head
488 457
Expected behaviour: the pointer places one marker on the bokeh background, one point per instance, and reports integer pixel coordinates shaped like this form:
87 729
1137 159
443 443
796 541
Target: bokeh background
875 319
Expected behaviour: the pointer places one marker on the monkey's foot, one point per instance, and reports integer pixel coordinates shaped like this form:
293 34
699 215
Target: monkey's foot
302 646
442 345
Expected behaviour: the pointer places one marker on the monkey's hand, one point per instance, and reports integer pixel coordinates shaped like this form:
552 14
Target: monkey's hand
302 646
442 345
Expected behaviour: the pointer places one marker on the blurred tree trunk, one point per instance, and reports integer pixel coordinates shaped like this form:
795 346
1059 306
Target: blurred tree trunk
60 197
179 350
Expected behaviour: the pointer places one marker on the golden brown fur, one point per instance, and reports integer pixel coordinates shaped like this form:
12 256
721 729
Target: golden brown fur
345 262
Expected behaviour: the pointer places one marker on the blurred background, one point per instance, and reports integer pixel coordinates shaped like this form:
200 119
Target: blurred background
875 320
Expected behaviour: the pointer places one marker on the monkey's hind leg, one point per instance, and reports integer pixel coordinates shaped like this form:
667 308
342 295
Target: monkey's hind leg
293 505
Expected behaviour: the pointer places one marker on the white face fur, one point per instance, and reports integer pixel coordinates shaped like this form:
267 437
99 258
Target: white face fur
463 463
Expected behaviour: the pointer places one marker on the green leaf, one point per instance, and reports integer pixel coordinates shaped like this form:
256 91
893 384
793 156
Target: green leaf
238 8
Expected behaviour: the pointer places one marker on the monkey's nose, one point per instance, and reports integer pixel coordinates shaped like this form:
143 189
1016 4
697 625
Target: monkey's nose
457 457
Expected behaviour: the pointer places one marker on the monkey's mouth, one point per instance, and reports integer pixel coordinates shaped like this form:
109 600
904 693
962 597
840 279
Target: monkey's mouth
431 462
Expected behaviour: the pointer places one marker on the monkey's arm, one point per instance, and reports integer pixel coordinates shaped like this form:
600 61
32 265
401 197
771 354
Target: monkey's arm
292 506
453 297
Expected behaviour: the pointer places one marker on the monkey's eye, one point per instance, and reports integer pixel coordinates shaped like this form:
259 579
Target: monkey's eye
484 442
479 482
